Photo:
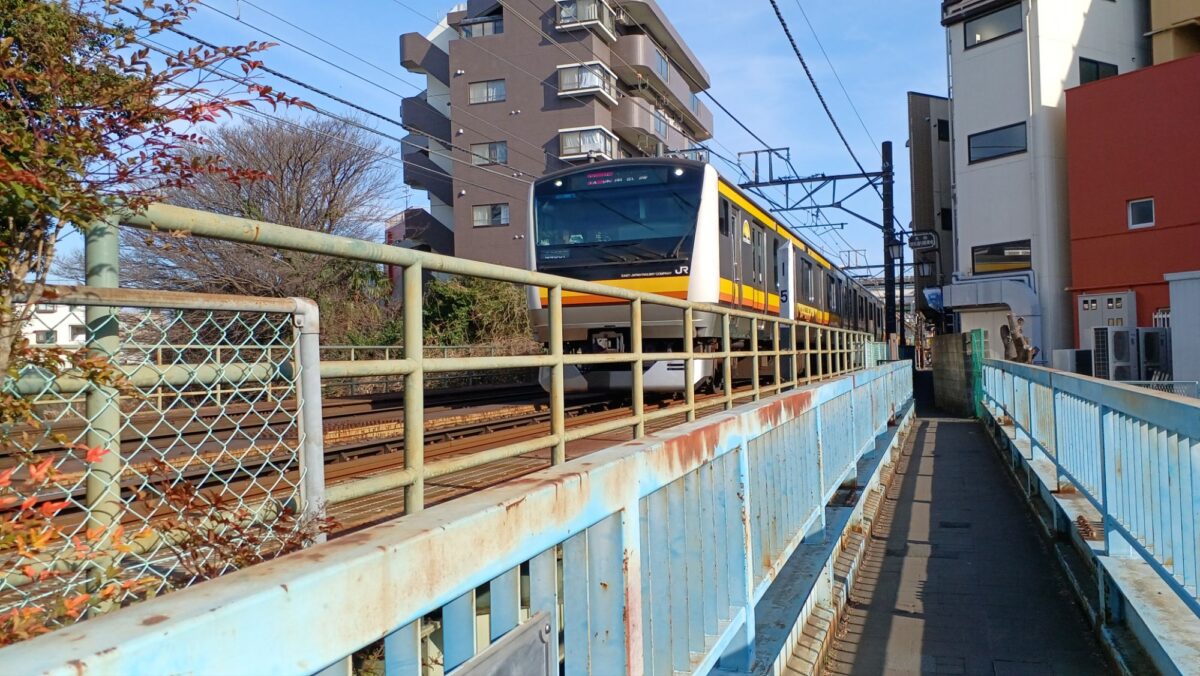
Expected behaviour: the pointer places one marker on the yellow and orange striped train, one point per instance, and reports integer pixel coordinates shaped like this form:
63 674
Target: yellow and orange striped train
675 227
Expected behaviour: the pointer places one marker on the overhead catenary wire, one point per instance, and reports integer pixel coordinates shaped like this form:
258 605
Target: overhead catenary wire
824 104
507 133
812 29
329 95
695 84
357 107
158 47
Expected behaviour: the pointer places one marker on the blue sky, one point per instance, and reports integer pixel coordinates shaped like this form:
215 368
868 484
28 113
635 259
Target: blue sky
880 48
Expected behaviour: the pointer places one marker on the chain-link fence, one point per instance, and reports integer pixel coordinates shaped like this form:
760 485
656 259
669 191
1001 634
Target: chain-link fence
162 445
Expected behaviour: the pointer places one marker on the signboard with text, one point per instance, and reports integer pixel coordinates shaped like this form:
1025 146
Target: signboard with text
923 241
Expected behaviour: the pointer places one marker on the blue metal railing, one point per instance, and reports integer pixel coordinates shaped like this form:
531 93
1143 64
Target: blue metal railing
1133 453
648 556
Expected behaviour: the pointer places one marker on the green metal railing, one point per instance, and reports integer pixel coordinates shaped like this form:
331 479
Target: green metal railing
825 351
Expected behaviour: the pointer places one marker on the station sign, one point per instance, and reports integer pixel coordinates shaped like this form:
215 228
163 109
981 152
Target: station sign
923 241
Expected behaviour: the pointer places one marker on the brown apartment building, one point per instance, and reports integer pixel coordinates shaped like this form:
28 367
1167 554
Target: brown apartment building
519 88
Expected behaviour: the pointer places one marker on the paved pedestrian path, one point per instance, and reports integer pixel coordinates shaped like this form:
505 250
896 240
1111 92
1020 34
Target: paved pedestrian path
957 579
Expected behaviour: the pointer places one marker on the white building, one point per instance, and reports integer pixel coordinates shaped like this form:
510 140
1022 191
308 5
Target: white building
1011 62
56 325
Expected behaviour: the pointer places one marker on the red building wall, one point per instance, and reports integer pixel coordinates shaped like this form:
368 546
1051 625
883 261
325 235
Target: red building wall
1131 137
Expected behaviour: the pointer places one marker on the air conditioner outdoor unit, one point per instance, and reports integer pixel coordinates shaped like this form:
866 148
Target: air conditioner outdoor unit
1116 353
1154 353
1073 361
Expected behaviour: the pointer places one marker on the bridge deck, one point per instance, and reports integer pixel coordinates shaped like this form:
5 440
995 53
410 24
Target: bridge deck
957 579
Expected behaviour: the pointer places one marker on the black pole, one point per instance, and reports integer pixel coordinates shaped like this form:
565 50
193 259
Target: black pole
889 238
903 328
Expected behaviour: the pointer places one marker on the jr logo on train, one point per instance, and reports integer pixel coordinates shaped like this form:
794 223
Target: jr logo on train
675 227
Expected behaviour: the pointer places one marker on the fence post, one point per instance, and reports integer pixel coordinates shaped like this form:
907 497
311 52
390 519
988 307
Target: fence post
754 349
638 377
558 416
103 407
414 389
777 359
689 366
727 363
308 394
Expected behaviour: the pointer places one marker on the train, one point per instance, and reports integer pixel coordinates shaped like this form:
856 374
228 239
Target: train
676 227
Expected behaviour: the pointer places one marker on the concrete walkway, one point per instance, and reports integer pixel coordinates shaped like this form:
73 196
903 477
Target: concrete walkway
956 578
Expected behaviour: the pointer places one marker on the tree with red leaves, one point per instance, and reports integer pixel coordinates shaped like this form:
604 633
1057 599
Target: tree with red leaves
90 123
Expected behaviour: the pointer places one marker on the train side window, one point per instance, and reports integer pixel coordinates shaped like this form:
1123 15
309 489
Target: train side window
809 286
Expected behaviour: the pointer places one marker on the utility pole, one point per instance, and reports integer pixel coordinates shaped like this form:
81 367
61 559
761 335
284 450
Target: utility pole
889 239
902 304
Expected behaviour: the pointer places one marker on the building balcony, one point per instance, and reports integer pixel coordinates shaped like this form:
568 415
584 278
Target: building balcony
419 55
642 126
420 116
586 143
422 173
593 15
640 63
651 19
583 79
957 11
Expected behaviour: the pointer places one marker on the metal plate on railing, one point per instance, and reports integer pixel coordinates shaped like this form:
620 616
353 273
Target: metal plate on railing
524 651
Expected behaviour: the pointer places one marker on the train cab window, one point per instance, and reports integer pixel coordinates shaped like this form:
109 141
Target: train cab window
725 216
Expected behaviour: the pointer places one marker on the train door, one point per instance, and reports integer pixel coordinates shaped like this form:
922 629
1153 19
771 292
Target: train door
746 251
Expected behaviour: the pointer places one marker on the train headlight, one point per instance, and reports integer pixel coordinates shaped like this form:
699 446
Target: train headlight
679 172
558 183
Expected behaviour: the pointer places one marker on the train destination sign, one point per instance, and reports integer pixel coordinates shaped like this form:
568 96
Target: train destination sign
607 178
923 241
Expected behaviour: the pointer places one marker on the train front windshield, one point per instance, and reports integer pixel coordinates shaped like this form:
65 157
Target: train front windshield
616 216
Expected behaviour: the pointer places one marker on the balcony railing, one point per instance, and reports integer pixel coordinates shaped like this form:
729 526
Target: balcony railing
571 14
581 143
589 78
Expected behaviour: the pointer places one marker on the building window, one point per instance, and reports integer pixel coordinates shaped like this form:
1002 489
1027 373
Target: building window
78 333
46 337
660 125
1090 71
993 25
1141 213
947 216
695 103
664 67
988 145
943 130
580 143
481 27
586 78
1003 257
489 91
489 153
491 214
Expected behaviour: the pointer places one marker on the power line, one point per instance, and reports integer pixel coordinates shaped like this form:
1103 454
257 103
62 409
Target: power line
349 72
812 80
837 77
235 78
537 147
821 97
